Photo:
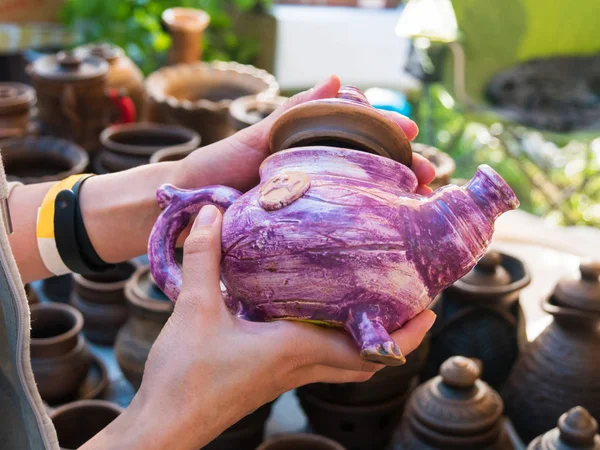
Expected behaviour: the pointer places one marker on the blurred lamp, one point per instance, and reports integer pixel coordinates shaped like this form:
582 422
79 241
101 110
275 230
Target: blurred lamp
431 19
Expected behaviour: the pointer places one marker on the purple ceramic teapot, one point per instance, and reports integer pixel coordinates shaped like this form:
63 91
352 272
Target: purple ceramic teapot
337 236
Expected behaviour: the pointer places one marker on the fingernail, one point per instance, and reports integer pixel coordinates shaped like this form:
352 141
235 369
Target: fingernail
206 216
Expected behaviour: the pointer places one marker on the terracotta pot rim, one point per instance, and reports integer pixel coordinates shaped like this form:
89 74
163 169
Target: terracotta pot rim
193 138
74 331
86 403
137 297
102 383
201 19
108 286
156 81
80 345
240 106
47 145
563 312
166 152
25 97
305 437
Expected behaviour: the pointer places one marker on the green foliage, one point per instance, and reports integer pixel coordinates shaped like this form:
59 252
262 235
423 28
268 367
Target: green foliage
135 26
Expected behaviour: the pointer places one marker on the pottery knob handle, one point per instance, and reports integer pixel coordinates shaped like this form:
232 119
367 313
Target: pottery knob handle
460 372
590 270
69 59
353 94
489 262
578 428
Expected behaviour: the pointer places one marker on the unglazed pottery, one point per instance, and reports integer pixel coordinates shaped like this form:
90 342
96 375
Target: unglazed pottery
479 316
560 369
78 422
131 145
300 441
60 358
442 162
73 99
16 101
149 310
198 95
32 297
101 300
58 289
576 429
363 427
251 109
455 410
186 27
32 160
337 236
123 74
170 154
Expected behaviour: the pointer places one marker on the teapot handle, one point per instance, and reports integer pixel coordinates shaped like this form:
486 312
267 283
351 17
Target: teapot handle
179 207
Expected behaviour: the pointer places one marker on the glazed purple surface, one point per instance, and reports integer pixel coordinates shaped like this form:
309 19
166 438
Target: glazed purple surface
359 249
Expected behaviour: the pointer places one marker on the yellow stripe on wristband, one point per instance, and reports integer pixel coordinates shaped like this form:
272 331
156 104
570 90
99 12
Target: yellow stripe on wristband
45 226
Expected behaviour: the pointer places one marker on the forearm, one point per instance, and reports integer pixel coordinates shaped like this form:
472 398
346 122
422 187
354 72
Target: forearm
118 210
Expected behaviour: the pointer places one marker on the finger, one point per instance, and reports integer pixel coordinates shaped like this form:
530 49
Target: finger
424 190
423 169
409 127
410 336
326 374
201 260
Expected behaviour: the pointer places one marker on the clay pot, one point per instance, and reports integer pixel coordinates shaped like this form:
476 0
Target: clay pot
576 429
389 382
101 300
58 289
40 159
198 95
186 27
149 310
479 316
60 358
442 162
78 422
131 145
560 369
74 101
31 295
123 74
16 101
170 154
455 410
366 427
246 434
251 109
300 441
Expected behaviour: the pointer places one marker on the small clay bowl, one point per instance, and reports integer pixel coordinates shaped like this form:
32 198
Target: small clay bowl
78 422
170 154
40 159
60 358
300 441
251 109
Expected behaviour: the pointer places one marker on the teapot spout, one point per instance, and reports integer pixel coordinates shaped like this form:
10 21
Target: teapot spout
491 193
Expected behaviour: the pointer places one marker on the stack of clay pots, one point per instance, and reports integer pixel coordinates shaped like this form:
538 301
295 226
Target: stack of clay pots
16 103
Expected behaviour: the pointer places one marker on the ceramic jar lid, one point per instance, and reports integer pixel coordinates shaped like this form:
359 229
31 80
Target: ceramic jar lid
577 429
15 98
456 403
488 272
348 121
583 293
104 50
69 66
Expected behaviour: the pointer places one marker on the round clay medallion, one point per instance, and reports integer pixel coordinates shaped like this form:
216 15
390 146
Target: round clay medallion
282 190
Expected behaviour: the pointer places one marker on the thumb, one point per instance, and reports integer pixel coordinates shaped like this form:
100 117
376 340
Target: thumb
201 262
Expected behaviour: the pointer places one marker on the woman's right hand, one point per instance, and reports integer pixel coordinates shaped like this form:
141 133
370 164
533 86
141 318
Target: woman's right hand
208 369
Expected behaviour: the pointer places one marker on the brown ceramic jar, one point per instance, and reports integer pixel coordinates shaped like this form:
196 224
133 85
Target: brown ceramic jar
251 109
170 154
16 101
479 316
149 310
576 429
442 162
186 27
455 410
101 300
78 422
58 289
131 145
60 358
198 95
32 160
300 441
123 74
31 295
560 369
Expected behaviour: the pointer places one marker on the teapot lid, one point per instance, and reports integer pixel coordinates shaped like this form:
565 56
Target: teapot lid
488 271
69 66
577 429
15 97
583 293
104 50
348 121
456 402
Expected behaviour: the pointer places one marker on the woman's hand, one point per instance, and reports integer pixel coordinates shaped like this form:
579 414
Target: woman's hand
209 369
